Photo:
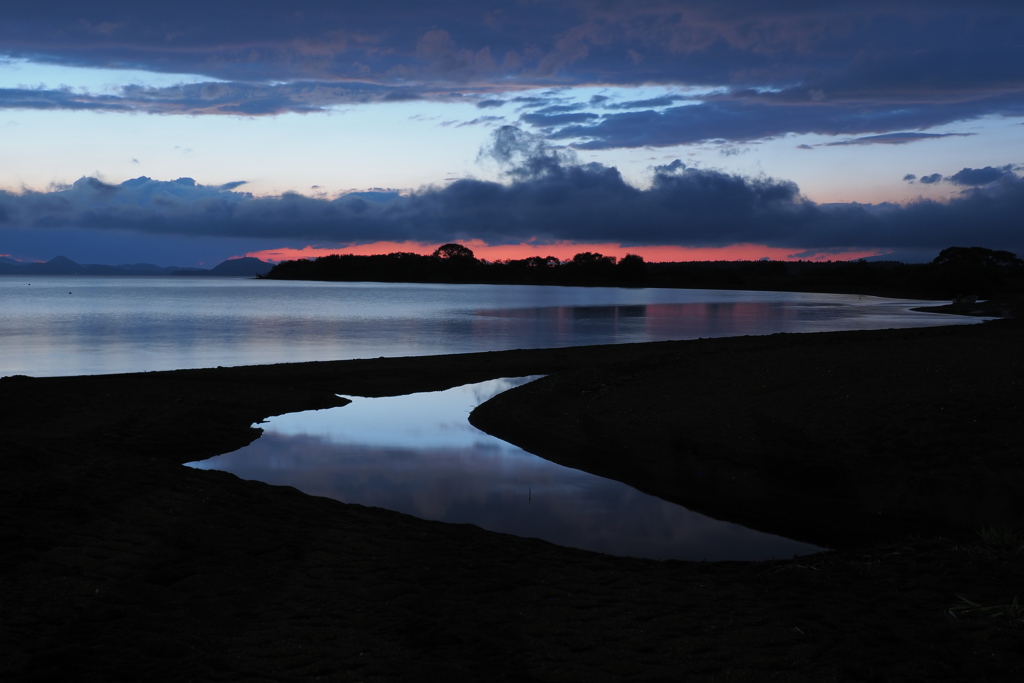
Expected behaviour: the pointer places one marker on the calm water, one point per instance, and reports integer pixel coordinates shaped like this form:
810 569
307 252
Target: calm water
92 325
418 454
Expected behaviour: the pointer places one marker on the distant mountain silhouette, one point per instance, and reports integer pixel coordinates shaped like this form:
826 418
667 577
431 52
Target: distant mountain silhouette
242 266
62 265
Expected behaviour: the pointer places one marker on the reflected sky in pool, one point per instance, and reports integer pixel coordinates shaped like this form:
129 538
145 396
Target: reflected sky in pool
419 455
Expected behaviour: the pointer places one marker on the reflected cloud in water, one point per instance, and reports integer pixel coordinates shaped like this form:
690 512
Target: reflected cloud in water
418 454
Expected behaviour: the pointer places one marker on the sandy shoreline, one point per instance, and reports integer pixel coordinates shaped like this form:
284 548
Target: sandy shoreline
893 446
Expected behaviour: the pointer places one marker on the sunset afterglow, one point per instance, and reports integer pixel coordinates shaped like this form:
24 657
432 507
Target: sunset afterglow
565 251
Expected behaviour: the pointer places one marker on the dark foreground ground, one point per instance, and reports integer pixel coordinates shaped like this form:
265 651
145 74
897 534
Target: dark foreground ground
895 447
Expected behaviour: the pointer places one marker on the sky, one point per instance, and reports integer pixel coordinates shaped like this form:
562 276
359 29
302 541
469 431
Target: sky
187 133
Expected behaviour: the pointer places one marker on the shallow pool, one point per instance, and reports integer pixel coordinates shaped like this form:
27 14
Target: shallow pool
419 455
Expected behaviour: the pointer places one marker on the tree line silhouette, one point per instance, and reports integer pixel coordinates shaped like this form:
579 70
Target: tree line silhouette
955 272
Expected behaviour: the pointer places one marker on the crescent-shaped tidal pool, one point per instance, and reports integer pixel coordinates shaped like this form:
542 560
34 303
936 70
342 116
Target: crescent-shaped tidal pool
418 454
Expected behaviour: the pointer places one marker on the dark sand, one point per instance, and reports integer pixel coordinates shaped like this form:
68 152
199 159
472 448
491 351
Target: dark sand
895 447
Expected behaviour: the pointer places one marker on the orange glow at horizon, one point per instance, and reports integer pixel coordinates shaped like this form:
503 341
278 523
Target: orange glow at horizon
566 250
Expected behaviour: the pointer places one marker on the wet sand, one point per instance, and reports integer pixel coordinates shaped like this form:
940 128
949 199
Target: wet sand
893 447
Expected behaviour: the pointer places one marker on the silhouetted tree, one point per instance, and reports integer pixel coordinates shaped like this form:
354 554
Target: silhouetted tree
456 261
973 270
631 268
591 267
454 253
590 258
541 262
972 257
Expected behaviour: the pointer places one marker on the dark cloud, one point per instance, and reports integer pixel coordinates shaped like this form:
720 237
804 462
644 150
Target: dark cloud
549 197
866 69
752 117
237 99
973 177
482 121
650 103
547 120
63 98
530 100
895 138
557 109
525 156
981 176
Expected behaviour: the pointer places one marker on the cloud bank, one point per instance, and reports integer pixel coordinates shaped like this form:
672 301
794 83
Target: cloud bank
744 71
548 197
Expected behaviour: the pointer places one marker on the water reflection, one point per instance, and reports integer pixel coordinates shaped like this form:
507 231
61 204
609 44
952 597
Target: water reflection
418 454
134 324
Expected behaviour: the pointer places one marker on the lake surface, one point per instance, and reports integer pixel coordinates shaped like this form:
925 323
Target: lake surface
67 325
418 454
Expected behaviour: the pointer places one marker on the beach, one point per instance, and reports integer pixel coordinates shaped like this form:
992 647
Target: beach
896 448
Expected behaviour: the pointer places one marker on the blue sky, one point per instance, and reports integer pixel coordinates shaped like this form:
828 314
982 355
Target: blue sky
191 132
